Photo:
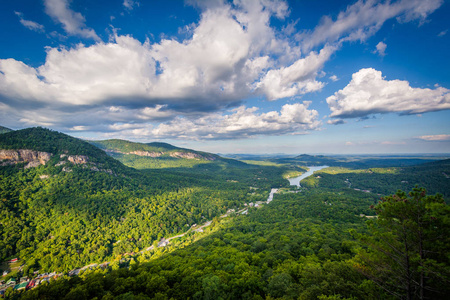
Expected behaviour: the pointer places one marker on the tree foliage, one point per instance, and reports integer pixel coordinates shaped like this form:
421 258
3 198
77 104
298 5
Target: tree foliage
284 250
56 217
408 246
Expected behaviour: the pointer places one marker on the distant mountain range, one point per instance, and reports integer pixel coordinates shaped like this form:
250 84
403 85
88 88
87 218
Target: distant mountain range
363 161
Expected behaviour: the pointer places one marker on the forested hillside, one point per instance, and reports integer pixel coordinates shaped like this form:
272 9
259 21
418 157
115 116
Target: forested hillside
78 205
4 129
301 246
298 246
154 155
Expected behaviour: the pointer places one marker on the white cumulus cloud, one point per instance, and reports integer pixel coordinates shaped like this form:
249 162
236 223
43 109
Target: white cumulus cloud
370 93
334 78
336 122
219 65
296 79
242 122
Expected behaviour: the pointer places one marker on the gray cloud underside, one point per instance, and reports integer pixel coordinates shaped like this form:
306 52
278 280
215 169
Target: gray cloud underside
240 123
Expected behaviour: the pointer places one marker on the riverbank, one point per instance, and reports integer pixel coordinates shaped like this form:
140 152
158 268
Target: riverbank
312 169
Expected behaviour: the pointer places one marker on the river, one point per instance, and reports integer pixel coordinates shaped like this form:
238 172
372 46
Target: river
312 169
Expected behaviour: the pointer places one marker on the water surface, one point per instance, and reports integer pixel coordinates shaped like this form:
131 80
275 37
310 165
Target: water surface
312 169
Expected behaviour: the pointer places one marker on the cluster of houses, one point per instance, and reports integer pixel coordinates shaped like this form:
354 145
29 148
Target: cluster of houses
25 283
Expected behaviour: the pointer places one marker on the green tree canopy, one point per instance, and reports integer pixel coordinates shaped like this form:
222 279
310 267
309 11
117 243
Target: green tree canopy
407 248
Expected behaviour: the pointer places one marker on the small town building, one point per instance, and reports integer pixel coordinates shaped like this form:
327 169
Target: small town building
21 286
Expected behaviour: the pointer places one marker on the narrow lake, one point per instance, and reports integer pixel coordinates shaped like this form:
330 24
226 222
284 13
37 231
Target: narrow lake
312 169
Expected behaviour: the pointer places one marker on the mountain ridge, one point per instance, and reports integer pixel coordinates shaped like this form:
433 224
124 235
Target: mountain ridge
55 146
153 149
4 129
157 155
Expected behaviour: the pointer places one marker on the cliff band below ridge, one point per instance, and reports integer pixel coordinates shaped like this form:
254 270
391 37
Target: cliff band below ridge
37 158
178 154
33 158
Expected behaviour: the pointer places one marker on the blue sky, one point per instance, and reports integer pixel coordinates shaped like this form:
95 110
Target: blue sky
258 76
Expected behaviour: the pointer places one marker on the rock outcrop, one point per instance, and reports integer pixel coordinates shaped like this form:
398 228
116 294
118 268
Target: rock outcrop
146 153
32 157
176 154
78 159
81 160
191 155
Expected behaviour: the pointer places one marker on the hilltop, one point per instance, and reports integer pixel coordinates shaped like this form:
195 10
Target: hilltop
38 146
4 130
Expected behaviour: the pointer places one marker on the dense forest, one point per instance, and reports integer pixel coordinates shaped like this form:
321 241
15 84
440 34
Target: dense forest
346 234
63 215
306 245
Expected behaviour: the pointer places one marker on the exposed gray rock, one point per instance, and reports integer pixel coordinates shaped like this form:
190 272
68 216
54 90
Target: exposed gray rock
32 157
78 159
146 153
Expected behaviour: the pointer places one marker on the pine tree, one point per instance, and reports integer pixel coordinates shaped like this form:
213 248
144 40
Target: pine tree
407 250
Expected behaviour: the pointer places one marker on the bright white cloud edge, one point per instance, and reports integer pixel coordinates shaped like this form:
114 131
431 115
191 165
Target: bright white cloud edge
370 93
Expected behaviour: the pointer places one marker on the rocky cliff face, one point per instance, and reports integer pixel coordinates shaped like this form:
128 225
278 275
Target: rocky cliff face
176 154
191 155
78 159
37 158
81 160
33 158
146 153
